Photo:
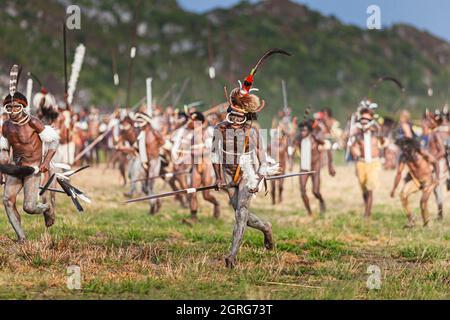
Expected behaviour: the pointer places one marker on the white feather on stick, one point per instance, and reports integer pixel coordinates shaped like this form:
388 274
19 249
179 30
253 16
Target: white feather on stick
76 68
29 91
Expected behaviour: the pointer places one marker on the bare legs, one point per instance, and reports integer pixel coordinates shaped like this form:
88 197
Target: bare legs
409 189
203 178
49 215
368 202
30 205
316 192
12 189
276 186
240 199
439 195
154 169
135 172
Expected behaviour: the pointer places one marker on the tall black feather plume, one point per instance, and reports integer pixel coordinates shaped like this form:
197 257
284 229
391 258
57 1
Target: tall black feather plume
69 190
267 55
16 171
248 81
382 79
47 185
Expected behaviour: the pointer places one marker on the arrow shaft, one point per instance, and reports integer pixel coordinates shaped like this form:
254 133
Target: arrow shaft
283 87
289 175
199 189
53 190
172 193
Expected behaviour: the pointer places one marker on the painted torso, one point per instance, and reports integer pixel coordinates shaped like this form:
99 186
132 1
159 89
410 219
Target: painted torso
24 141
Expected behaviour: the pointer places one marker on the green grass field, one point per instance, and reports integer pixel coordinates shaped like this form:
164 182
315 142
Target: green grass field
125 253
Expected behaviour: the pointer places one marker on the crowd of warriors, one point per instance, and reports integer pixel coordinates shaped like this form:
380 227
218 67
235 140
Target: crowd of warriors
177 147
220 149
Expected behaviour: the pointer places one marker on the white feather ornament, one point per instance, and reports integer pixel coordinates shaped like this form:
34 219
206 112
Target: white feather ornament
50 100
29 89
76 68
248 171
13 78
49 134
28 95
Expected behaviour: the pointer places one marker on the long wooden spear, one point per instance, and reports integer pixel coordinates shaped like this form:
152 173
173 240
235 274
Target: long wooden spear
211 187
65 63
132 54
180 93
66 85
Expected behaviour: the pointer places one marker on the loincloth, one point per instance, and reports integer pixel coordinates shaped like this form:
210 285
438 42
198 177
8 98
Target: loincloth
368 174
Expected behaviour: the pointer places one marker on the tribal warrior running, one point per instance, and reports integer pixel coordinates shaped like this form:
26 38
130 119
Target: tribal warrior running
25 135
240 161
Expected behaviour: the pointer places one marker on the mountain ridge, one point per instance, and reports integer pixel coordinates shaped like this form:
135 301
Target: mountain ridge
333 64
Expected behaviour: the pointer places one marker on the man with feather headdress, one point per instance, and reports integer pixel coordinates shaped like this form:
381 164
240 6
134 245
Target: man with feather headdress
33 146
365 149
240 160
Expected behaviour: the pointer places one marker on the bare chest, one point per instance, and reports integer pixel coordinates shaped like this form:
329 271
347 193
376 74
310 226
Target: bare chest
21 134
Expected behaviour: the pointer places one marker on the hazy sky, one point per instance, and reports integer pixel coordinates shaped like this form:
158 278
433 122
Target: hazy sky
430 15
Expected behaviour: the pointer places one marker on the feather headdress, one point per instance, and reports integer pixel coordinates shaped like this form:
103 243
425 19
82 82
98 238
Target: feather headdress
13 80
241 100
308 121
14 95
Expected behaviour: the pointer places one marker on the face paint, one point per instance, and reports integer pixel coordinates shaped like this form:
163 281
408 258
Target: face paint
234 120
13 108
304 132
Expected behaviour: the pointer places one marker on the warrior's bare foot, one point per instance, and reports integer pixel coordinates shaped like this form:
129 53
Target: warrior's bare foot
323 208
49 216
190 221
127 195
230 262
426 223
409 225
183 203
268 238
216 212
21 240
440 217
153 209
158 205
